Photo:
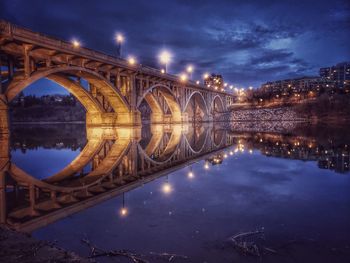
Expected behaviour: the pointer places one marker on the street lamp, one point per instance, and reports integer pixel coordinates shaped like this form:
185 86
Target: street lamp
119 38
189 70
205 75
165 58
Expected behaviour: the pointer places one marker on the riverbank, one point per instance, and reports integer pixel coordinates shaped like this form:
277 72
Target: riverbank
19 247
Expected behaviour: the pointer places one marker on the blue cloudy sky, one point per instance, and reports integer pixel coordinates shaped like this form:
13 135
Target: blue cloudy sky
249 42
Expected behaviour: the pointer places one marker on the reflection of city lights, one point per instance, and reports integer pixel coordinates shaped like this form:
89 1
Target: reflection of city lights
166 188
250 151
206 166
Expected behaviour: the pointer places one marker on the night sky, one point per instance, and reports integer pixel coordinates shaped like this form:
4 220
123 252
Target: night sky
248 42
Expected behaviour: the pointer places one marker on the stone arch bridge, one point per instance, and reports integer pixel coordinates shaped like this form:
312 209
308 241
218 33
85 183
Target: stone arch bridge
111 90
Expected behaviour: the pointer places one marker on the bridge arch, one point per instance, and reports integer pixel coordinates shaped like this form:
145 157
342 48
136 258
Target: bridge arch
217 105
197 96
170 99
113 95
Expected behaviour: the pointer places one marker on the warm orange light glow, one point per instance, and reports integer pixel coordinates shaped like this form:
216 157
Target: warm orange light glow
162 71
76 43
166 188
132 60
183 77
123 211
206 75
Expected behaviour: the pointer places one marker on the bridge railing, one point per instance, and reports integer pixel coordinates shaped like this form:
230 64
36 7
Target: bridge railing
29 36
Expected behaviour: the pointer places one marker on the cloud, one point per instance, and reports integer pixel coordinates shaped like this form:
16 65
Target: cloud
248 42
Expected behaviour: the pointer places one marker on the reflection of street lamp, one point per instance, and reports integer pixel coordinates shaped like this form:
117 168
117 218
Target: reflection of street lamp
123 211
165 58
166 187
190 173
119 38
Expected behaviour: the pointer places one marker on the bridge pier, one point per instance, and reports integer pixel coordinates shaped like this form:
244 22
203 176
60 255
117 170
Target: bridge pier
4 115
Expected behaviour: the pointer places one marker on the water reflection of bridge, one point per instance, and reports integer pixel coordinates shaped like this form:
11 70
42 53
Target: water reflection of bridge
114 160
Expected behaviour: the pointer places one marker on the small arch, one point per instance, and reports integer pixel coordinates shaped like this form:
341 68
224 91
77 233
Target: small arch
220 105
170 99
203 105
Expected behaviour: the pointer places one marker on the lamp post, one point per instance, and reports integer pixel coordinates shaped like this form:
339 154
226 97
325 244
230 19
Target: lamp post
165 58
119 38
189 70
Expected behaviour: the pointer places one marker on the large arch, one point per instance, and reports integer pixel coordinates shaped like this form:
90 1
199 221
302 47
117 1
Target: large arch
170 99
196 96
113 95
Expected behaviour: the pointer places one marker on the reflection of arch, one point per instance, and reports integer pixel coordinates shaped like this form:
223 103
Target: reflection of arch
85 156
170 99
107 165
114 97
217 140
170 150
217 99
199 149
202 104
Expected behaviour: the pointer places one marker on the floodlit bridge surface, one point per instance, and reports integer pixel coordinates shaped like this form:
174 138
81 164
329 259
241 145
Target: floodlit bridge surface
111 90
113 161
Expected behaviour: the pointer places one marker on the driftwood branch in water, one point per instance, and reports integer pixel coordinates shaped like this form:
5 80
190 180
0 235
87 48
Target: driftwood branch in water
250 248
98 252
136 258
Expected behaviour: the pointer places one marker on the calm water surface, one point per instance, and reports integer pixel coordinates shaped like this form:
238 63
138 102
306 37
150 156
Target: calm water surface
294 184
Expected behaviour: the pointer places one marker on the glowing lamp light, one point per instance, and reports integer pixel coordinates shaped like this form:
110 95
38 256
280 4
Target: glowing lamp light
231 87
162 71
225 85
119 38
165 57
197 82
132 60
189 69
166 188
250 87
206 166
124 211
75 43
190 175
183 77
206 75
